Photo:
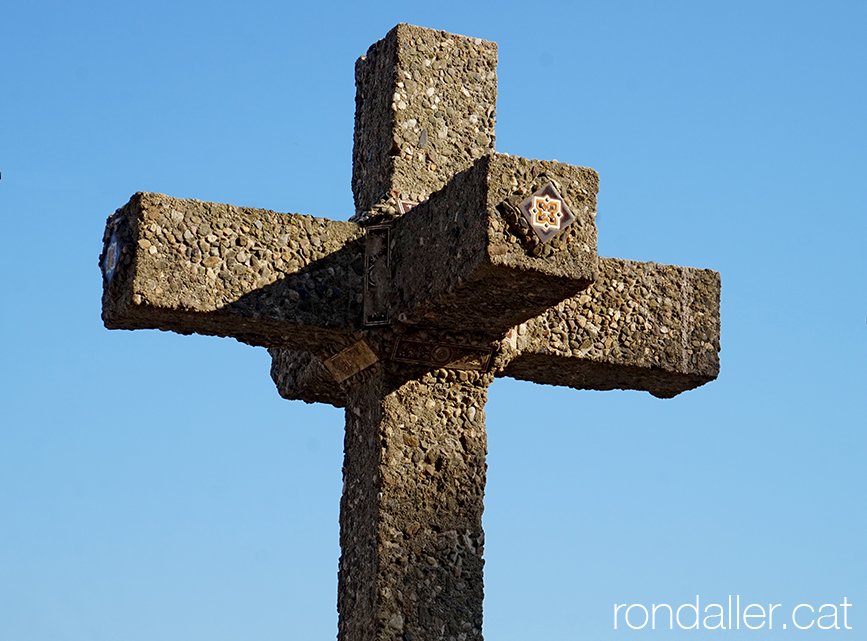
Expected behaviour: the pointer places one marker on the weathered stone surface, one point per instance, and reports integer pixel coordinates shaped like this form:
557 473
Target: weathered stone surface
462 269
425 109
411 512
301 376
641 326
467 259
262 277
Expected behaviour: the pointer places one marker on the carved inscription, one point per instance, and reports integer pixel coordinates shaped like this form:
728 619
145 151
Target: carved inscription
377 260
441 355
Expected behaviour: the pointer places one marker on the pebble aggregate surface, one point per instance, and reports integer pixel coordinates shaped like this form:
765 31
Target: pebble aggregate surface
425 109
640 326
263 277
465 270
466 257
411 535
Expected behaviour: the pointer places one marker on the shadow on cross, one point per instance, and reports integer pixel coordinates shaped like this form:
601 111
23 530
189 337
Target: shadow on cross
291 283
295 284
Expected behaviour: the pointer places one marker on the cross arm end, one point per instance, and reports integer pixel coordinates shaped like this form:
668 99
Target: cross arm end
262 277
641 326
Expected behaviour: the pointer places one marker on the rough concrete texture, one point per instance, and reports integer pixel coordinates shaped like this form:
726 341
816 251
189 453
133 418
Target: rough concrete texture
411 512
301 376
640 326
425 109
465 268
467 259
263 277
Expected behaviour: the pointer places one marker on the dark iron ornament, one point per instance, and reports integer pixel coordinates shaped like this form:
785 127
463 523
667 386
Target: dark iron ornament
377 260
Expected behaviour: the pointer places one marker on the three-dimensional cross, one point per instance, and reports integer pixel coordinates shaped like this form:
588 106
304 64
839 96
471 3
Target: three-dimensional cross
459 265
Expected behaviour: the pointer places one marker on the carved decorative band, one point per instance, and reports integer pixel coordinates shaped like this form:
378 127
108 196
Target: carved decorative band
441 355
377 262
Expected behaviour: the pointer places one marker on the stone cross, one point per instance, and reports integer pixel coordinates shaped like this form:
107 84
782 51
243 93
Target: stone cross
460 265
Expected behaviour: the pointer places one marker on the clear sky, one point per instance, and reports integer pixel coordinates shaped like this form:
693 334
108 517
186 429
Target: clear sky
155 486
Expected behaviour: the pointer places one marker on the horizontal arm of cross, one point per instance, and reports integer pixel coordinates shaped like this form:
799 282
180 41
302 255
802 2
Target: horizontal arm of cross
641 326
302 376
262 277
464 261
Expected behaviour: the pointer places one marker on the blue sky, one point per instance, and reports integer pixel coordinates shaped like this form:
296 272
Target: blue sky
155 486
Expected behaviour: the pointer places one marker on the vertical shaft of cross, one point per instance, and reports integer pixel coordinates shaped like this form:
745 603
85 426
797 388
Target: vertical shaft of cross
425 109
411 512
414 471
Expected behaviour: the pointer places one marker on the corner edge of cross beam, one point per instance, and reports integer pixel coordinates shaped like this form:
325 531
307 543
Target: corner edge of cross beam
263 277
641 326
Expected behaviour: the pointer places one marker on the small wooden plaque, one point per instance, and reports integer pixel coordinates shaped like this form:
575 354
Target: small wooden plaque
350 361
